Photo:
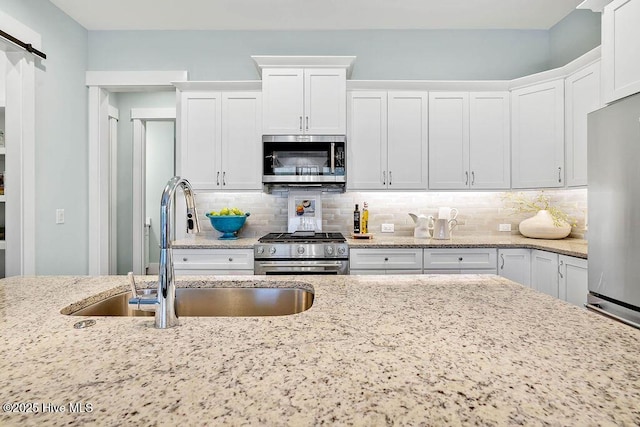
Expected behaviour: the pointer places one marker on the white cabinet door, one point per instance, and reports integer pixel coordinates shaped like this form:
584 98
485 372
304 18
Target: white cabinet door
212 261
448 140
582 96
198 153
573 284
544 272
471 260
325 104
489 140
385 259
620 49
283 101
367 141
407 140
537 125
241 141
515 264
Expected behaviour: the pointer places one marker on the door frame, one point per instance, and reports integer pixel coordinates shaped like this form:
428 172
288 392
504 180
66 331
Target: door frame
20 206
140 117
101 84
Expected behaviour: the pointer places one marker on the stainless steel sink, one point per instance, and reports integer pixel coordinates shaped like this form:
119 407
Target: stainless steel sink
214 302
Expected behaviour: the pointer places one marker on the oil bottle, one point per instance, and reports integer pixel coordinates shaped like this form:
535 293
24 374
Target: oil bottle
356 220
364 222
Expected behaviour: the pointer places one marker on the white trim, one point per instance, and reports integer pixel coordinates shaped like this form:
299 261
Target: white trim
100 84
20 208
98 162
113 190
139 182
140 117
148 114
249 85
114 113
276 61
18 30
593 5
134 81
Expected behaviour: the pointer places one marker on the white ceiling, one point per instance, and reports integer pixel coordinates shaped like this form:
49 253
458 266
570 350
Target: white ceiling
315 14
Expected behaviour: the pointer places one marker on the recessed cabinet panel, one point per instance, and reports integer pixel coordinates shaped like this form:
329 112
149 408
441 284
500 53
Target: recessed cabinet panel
574 284
538 136
212 260
407 140
515 264
200 134
544 272
489 140
325 103
460 259
367 140
621 49
385 259
449 140
283 99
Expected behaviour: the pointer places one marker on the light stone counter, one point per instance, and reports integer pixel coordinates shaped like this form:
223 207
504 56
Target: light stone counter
372 350
569 246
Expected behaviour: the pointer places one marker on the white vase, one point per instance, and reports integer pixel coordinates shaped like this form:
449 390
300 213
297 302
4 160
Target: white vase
541 226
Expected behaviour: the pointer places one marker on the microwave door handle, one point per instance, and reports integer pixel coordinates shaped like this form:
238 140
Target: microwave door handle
333 158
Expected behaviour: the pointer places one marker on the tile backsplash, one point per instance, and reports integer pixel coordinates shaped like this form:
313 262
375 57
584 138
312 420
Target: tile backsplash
480 213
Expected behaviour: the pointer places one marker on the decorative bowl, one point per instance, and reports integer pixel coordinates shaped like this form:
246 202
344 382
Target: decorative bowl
228 225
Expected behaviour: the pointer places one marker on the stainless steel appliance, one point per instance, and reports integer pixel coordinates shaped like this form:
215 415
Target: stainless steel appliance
304 160
614 210
301 252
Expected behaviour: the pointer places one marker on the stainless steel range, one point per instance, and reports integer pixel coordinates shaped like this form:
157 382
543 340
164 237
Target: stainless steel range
301 252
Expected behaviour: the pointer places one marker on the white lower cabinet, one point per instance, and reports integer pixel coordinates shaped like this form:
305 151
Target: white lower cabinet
212 261
460 261
573 285
515 264
385 261
544 272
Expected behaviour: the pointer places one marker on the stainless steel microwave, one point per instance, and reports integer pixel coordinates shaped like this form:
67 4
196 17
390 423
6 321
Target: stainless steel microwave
304 160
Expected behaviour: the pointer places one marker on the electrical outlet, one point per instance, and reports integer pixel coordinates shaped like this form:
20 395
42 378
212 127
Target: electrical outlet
59 216
504 227
388 228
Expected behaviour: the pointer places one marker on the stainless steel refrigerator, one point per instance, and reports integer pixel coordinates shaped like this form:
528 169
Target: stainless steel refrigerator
614 210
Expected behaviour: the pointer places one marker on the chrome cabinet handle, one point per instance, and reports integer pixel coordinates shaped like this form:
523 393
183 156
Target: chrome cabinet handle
307 118
560 174
218 178
300 122
466 178
473 178
502 258
560 269
224 180
384 177
389 177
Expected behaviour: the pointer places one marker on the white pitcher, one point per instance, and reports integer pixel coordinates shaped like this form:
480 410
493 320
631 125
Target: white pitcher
423 226
447 213
442 228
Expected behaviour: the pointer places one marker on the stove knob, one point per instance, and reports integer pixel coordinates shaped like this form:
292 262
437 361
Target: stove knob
260 250
272 250
342 250
300 250
328 250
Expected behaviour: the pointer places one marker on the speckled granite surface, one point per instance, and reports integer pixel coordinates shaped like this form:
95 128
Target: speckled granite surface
372 350
570 246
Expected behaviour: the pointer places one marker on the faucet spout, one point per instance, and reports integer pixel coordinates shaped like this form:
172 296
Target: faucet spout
164 305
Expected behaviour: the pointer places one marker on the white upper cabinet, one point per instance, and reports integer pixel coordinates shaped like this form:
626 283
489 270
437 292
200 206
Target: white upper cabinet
469 140
537 124
582 96
304 101
407 140
387 140
620 49
219 137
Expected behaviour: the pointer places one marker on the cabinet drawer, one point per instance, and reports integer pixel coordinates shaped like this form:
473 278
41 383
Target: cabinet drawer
460 259
385 259
213 259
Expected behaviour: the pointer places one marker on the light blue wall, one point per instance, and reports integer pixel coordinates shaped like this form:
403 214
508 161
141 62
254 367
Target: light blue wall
124 102
61 137
381 54
576 34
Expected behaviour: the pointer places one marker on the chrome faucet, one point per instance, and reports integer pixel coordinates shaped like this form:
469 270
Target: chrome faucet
164 302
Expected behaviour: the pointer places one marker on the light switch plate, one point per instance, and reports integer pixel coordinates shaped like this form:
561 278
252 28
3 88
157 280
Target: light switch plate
504 227
388 228
59 216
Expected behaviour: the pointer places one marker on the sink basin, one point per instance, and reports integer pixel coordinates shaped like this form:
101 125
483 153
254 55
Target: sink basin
214 302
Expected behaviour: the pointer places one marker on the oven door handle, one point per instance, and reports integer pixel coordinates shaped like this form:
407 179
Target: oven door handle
302 264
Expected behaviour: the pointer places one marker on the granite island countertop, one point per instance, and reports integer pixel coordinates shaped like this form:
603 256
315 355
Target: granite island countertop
569 246
372 350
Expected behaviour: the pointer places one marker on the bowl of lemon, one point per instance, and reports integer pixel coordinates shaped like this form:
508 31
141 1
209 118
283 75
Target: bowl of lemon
228 221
